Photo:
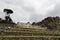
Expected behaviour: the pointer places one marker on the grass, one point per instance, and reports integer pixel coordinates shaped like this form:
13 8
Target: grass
32 31
29 30
29 36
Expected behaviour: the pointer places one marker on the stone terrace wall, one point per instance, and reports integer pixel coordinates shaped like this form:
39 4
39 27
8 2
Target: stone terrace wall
29 38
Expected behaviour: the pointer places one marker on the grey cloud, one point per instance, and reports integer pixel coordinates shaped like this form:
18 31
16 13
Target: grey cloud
27 10
55 11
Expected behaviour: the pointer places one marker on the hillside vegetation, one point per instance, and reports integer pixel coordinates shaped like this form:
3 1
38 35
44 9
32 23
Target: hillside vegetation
49 22
21 33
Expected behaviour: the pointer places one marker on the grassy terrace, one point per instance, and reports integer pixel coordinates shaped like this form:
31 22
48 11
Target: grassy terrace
31 30
41 32
29 36
9 33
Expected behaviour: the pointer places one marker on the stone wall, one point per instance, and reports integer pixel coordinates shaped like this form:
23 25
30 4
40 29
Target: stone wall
29 38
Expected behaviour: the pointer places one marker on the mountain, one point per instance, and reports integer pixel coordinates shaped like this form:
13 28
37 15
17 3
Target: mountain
49 22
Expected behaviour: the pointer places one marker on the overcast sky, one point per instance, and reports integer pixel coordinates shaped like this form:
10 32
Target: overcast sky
30 10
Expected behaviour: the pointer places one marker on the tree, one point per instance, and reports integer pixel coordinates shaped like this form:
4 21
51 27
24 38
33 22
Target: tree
8 12
0 19
33 23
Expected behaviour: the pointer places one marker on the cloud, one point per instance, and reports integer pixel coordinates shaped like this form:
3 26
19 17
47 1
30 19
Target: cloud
30 10
55 11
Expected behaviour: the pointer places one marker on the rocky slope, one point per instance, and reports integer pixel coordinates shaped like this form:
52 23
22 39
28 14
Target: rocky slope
50 23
